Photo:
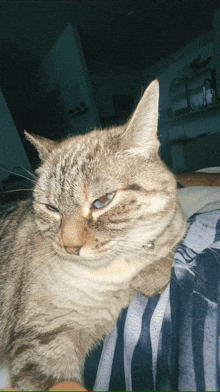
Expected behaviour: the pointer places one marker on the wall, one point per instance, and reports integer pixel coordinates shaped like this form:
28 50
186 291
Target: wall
37 29
37 25
64 68
12 153
216 28
111 80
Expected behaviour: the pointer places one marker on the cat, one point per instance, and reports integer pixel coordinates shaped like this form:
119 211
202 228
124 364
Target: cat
103 223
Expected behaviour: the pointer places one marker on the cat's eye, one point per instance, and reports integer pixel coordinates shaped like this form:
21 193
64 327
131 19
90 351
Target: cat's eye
52 208
103 200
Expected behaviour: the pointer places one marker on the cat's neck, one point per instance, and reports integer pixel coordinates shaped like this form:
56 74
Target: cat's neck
117 273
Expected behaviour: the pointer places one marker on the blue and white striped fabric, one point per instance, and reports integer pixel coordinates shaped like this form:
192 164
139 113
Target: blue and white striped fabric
171 341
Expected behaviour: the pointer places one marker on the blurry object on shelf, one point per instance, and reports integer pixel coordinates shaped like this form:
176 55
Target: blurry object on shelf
178 96
201 89
195 89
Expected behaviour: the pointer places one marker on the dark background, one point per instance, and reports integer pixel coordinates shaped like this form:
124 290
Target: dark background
113 33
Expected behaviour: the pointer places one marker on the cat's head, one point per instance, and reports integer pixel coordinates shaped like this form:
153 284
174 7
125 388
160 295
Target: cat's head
105 193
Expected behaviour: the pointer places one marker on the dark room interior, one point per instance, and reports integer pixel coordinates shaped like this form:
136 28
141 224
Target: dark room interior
120 46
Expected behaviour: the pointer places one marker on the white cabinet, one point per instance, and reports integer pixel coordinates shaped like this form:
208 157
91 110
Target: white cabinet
176 132
208 124
192 139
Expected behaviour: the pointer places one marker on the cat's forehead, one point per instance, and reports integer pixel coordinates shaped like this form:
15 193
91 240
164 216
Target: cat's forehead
96 161
91 163
87 156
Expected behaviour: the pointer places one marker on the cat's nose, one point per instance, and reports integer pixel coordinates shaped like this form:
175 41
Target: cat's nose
73 249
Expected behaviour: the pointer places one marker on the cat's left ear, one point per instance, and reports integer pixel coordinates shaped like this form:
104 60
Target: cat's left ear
43 145
141 131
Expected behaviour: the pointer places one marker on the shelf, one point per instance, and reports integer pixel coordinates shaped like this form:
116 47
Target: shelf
191 116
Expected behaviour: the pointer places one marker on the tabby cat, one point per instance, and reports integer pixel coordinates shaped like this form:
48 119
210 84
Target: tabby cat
103 223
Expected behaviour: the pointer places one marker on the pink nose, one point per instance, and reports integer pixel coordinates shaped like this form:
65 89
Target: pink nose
73 249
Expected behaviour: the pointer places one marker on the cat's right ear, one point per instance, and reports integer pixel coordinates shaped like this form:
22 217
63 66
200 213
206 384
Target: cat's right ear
141 130
43 145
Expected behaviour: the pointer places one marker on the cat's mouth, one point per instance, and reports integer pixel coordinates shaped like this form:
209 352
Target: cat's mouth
80 253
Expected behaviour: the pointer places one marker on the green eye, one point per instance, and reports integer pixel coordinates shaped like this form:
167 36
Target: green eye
103 200
52 208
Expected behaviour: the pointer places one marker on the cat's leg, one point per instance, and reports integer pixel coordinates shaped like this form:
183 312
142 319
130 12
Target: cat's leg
153 279
39 362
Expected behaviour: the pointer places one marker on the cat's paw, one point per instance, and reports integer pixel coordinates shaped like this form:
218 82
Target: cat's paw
154 278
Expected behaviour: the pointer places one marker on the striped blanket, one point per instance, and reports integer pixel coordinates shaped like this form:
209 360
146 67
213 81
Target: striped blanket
171 341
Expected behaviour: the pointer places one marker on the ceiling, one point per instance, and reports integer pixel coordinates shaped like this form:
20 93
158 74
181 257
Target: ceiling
134 33
138 33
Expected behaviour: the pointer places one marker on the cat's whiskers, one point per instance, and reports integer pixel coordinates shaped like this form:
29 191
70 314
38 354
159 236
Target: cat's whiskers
127 246
31 174
125 252
52 259
17 190
129 250
16 174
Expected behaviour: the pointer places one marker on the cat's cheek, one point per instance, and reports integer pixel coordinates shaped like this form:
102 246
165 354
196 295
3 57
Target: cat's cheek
46 220
95 248
158 204
48 230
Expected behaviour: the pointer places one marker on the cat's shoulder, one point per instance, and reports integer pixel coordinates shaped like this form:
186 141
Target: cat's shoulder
9 208
12 212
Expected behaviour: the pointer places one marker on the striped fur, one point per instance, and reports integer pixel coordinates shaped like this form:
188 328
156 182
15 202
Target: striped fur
69 268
